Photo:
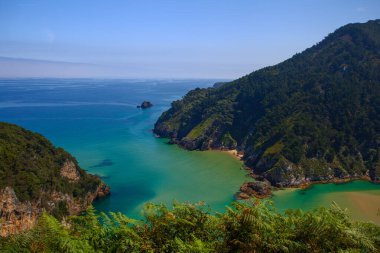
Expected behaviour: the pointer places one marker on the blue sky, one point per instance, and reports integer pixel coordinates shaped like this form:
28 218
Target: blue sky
164 39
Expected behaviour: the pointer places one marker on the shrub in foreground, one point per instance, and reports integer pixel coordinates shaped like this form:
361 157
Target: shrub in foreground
253 227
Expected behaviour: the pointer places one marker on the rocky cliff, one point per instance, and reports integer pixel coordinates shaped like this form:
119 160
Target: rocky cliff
15 215
18 216
70 171
36 177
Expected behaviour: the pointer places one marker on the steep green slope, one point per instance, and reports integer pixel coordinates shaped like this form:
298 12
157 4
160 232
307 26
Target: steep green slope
312 117
35 176
30 164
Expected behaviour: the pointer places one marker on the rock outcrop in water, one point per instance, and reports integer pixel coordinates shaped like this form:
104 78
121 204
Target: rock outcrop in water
36 177
145 105
258 189
313 117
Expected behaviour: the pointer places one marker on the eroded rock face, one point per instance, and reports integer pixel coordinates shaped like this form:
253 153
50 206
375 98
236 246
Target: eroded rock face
69 171
102 191
15 216
74 205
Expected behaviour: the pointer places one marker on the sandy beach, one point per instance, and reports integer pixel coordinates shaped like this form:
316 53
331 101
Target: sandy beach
234 152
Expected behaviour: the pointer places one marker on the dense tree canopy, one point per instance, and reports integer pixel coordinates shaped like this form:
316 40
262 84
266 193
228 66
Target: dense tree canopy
312 117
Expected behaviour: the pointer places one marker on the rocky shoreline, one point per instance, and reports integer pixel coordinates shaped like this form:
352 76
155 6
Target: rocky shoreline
261 188
17 216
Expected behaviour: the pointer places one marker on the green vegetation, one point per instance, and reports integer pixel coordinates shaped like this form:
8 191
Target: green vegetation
200 128
322 105
275 149
31 165
191 228
228 141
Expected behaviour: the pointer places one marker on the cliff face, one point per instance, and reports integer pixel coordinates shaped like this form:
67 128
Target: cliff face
18 216
36 177
313 117
70 171
15 216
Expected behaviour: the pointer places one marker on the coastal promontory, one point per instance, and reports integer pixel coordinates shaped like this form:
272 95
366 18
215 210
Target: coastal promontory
314 117
36 177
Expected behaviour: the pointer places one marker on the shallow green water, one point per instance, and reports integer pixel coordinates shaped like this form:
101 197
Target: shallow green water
167 173
325 194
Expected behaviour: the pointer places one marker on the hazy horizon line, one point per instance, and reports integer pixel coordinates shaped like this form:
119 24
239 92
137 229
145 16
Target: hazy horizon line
7 64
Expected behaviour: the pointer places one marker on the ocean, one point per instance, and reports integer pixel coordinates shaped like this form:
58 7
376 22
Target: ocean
97 121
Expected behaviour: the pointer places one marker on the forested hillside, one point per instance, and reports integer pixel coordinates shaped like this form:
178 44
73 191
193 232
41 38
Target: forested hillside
35 176
312 117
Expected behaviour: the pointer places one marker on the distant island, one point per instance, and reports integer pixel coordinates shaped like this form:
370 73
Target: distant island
145 105
312 118
36 177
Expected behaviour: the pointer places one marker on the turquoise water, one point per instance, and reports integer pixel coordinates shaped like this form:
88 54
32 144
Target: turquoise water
98 122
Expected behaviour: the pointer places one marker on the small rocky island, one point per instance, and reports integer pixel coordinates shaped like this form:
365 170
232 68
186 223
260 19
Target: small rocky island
145 105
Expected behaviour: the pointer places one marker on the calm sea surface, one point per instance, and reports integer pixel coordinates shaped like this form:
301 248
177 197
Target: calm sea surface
98 122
